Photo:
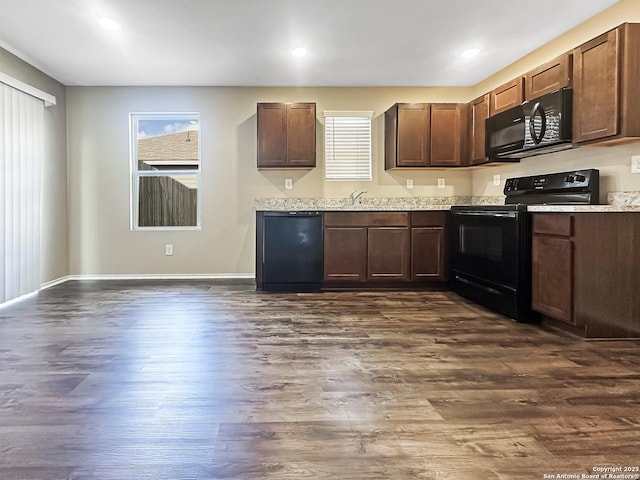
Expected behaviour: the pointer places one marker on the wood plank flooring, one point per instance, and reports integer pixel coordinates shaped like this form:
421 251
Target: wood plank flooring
122 380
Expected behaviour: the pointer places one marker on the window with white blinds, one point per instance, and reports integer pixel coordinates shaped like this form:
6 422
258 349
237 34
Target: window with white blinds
347 145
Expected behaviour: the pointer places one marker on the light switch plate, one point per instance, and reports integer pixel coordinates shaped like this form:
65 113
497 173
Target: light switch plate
441 183
168 250
496 180
635 163
288 183
409 183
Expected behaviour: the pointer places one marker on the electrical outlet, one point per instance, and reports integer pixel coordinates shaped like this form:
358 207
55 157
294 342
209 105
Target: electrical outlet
168 249
288 183
409 183
635 163
496 180
441 183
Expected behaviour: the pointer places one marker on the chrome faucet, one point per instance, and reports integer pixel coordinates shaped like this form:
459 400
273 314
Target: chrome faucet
353 198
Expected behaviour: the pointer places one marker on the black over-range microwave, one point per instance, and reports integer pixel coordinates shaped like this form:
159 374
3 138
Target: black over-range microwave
537 126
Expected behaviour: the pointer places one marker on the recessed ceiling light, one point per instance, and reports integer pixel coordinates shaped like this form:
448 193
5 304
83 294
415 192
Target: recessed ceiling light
471 52
109 24
299 52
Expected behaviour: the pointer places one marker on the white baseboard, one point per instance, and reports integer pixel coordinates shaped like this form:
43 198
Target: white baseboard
195 276
55 282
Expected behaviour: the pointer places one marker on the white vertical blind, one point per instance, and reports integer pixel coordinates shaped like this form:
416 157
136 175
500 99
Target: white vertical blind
347 137
21 137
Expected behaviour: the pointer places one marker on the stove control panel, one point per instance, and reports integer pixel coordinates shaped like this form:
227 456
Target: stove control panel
580 179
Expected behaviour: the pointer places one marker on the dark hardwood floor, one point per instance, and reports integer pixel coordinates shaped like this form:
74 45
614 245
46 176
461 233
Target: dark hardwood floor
118 380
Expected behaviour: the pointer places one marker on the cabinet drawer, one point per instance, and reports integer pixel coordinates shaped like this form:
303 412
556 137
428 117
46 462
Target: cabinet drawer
366 219
551 224
428 219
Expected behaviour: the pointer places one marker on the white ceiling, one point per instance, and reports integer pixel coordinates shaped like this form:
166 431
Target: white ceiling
248 42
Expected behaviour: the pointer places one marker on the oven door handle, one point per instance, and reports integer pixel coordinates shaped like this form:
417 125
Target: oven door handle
478 285
486 214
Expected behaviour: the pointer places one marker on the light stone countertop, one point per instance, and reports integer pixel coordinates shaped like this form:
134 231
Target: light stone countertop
583 208
617 202
370 203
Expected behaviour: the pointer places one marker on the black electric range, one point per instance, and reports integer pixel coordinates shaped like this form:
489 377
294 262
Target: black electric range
491 244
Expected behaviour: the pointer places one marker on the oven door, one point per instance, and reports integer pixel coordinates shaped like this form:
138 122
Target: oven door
490 254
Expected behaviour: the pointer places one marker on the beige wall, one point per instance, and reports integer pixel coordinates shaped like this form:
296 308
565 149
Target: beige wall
614 164
54 178
101 241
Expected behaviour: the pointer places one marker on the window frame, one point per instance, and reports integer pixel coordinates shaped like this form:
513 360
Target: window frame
136 173
354 114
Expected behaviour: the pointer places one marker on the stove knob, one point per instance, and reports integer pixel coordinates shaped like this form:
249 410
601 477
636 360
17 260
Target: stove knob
570 179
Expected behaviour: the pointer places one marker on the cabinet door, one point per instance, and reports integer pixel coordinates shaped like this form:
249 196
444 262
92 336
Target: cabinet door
596 86
428 254
413 135
388 253
345 254
272 135
506 96
301 135
479 112
607 256
548 77
391 137
552 277
448 130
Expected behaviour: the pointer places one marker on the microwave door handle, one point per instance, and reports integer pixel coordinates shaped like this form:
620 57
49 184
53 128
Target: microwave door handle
537 109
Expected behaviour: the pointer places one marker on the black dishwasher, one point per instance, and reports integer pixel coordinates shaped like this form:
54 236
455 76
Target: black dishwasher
292 251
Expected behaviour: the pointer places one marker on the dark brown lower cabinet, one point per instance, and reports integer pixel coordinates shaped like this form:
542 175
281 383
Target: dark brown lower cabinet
384 248
366 246
552 288
388 253
586 272
428 246
552 267
345 254
428 254
608 274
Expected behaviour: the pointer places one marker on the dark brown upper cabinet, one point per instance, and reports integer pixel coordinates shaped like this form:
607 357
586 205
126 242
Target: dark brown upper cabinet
506 96
549 77
407 128
606 75
425 135
448 135
478 114
286 135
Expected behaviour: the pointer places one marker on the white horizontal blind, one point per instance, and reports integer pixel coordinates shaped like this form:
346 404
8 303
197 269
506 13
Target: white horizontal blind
347 145
21 137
